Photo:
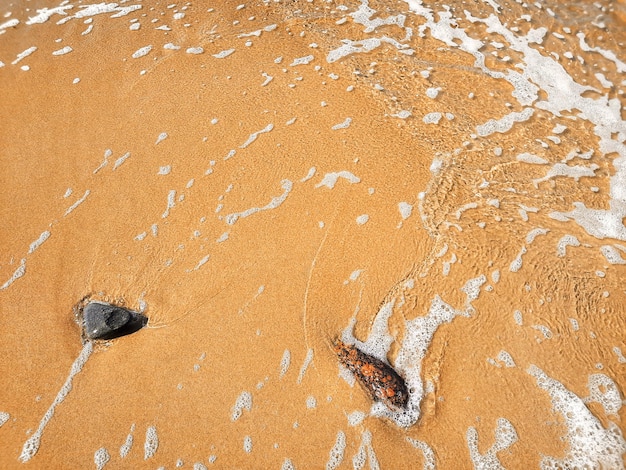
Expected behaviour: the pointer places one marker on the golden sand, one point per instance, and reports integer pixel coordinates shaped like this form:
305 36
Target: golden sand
254 202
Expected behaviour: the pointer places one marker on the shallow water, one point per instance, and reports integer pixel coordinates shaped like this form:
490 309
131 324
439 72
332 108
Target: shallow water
443 186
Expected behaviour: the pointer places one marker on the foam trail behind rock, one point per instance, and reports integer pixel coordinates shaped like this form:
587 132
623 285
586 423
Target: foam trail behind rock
31 446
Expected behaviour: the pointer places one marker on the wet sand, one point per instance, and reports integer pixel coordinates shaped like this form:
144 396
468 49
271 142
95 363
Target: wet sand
256 178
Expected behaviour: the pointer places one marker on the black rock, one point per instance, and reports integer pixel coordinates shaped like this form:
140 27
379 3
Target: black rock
106 321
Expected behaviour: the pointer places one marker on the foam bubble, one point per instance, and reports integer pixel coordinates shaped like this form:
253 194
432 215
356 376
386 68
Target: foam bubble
355 418
405 210
151 443
612 255
564 242
142 51
4 417
101 458
244 402
590 444
128 444
604 391
247 444
287 465
336 453
429 455
284 363
505 436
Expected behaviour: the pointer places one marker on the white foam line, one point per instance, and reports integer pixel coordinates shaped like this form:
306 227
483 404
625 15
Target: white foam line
330 179
171 201
44 14
121 160
19 272
305 365
31 446
287 185
254 135
590 444
37 243
24 54
610 55
77 203
429 455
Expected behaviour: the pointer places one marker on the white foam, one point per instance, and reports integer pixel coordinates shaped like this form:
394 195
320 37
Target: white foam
343 125
463 208
121 160
199 466
202 262
530 236
564 242
151 444
243 402
576 172
365 453
101 458
362 219
12 23
44 14
4 417
171 202
276 201
530 158
284 363
31 446
311 402
142 51
195 50
63 51
603 390
365 45
433 92
19 272
330 179
429 455
223 54
590 444
405 210
162 136
610 55
254 135
128 443
24 54
505 123
432 118
305 365
268 79
37 243
355 418
612 255
302 60
77 203
506 358
505 436
337 452
247 444
516 264
287 465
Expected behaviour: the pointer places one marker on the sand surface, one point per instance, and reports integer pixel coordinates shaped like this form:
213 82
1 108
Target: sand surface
442 185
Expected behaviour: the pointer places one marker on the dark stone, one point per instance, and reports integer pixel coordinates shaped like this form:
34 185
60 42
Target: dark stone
106 321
